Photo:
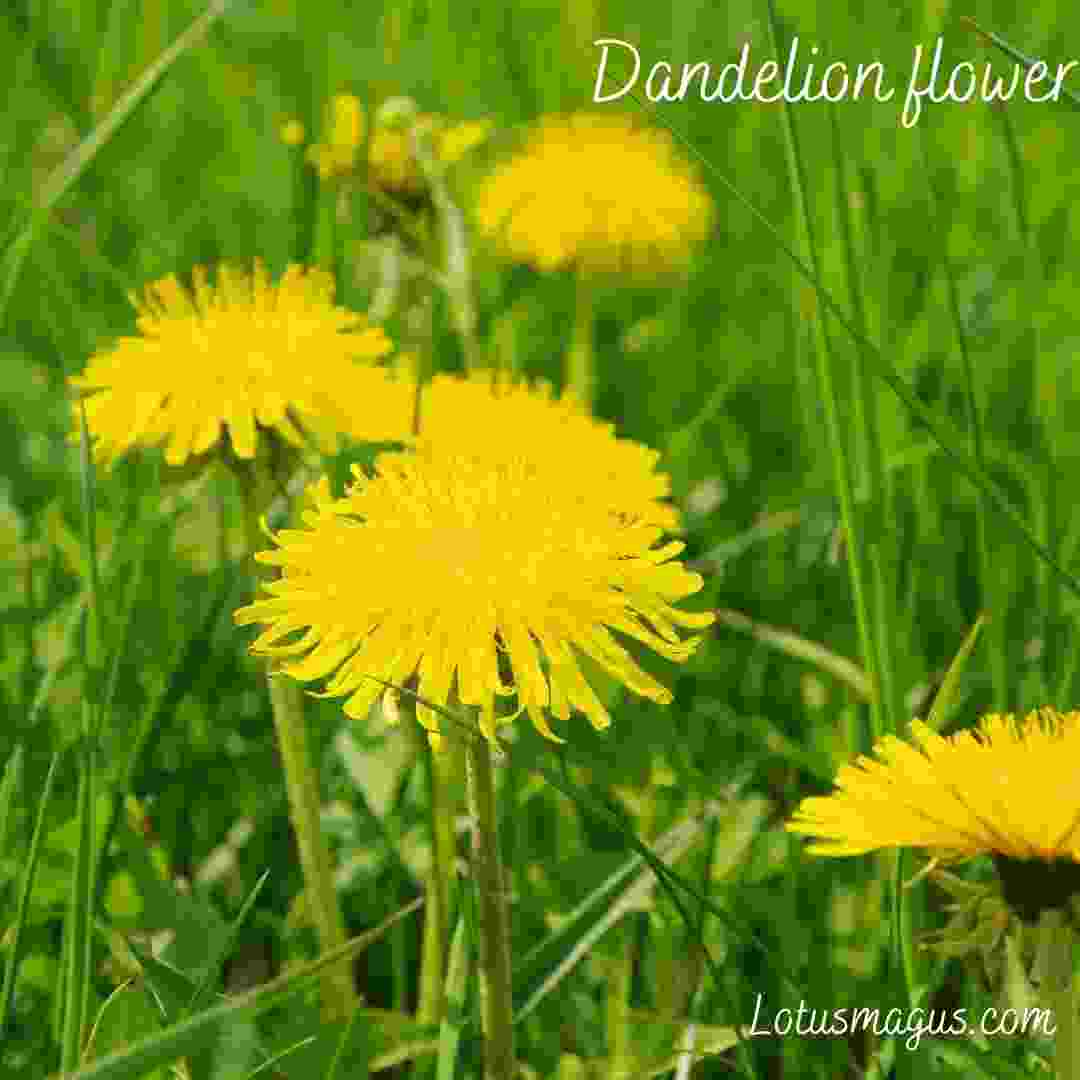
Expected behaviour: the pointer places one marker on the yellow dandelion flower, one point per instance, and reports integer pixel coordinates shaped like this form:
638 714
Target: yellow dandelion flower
394 167
337 153
454 143
291 131
239 356
599 193
483 578
489 415
1006 788
391 162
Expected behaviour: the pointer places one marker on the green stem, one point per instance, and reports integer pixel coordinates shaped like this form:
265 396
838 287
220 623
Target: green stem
431 1009
302 786
496 1004
580 367
1061 987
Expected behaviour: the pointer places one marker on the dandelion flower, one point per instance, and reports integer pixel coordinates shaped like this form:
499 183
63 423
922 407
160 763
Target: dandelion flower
1008 789
345 130
489 415
240 356
392 165
599 193
291 131
483 578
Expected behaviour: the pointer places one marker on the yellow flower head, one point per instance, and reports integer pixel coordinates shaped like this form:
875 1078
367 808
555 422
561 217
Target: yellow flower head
336 155
237 356
291 131
391 162
481 577
489 415
597 192
1008 789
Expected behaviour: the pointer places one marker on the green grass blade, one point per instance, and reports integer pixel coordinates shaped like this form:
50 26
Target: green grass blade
839 667
457 984
77 926
938 426
544 967
11 969
842 480
68 172
1046 390
349 1041
213 968
1015 54
9 787
270 1063
945 698
998 645
200 1032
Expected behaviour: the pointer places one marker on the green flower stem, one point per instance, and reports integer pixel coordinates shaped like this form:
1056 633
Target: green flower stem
496 1005
339 996
1061 987
580 366
302 784
431 1008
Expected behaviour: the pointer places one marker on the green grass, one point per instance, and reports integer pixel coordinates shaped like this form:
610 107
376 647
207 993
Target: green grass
873 447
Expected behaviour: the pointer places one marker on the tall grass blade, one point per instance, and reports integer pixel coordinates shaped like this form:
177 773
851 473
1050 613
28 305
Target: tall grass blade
68 172
14 947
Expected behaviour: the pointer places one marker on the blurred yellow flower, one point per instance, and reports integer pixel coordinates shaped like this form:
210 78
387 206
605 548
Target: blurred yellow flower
492 416
291 131
598 193
337 154
483 577
241 355
391 161
1006 788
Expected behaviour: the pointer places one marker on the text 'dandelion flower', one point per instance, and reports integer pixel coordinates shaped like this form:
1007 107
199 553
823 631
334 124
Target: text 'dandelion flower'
599 193
1007 788
435 565
241 354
